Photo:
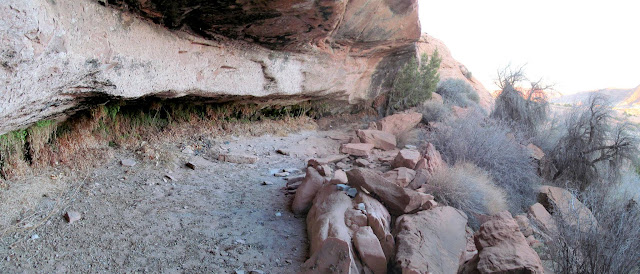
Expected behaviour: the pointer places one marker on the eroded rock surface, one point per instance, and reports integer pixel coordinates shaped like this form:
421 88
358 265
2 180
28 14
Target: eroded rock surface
74 54
397 199
430 241
311 183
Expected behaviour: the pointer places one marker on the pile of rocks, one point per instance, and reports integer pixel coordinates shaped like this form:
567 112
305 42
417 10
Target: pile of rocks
353 200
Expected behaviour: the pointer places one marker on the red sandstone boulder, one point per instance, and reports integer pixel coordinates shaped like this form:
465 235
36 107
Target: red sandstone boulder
334 256
379 220
560 201
401 176
470 249
406 158
336 223
315 162
339 177
379 139
362 150
524 224
307 191
432 160
370 251
502 249
419 180
542 219
399 123
329 236
397 199
430 241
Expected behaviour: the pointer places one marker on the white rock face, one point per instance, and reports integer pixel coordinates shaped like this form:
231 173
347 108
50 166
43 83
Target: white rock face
56 55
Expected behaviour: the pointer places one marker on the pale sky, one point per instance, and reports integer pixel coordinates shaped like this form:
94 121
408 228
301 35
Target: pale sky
577 45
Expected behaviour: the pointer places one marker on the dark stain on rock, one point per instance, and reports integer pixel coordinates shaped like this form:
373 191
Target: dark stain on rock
386 71
400 6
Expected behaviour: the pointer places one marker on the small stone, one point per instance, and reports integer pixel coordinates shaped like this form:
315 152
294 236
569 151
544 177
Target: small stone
343 187
357 149
410 147
190 165
325 170
362 162
170 177
361 206
326 160
72 216
35 237
187 150
266 183
128 162
239 271
278 214
352 192
342 165
282 174
256 272
283 152
240 241
291 170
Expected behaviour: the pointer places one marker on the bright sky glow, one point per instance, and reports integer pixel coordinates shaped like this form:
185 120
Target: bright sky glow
577 45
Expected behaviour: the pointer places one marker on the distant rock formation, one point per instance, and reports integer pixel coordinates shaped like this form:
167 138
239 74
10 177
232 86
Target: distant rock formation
633 99
614 95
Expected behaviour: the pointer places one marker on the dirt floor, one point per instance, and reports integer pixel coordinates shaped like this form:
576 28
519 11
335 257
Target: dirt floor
218 218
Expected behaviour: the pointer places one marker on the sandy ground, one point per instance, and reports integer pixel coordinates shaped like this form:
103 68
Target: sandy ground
218 218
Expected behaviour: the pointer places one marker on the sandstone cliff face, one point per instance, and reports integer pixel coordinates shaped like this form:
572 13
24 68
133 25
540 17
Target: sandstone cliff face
58 56
450 68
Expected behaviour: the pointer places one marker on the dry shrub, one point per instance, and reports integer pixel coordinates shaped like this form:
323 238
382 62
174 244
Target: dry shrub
593 147
457 92
524 109
486 143
434 112
611 246
468 188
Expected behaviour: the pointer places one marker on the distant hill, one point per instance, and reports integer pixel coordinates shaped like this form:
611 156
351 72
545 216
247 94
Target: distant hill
633 99
616 96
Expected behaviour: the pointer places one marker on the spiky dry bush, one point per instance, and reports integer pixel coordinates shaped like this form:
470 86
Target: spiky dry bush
610 246
468 188
457 92
486 143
